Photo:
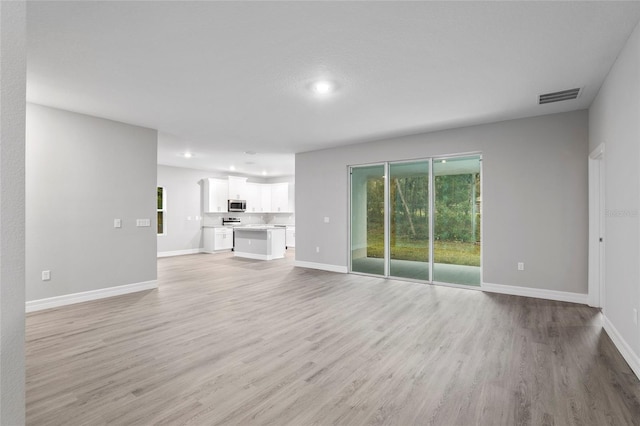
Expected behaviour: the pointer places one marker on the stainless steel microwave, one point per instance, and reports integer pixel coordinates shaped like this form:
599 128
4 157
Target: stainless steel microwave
237 205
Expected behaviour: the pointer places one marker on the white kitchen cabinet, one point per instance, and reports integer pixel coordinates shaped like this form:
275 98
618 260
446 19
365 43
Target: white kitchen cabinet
265 197
291 236
217 239
260 197
223 239
280 197
254 197
215 195
238 188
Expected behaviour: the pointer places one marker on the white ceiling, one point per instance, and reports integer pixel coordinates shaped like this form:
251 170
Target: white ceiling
221 78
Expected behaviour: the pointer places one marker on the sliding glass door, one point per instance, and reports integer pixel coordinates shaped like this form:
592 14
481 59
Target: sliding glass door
367 219
456 254
409 240
417 220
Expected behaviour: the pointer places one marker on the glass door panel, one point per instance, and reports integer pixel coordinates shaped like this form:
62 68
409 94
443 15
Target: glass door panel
409 241
456 233
367 219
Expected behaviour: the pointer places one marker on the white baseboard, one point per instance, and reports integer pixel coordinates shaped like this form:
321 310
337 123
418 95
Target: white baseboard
623 347
560 296
68 299
321 266
256 256
179 252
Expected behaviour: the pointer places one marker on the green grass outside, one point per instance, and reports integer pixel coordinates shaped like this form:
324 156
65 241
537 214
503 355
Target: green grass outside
450 252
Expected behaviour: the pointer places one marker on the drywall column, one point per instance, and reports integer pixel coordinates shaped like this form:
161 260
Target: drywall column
93 171
12 218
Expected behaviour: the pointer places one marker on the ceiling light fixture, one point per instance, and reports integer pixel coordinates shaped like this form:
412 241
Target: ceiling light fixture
264 173
232 168
187 155
322 87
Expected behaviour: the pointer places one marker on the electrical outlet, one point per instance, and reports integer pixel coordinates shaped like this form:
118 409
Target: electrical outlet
143 222
317 249
520 266
46 275
635 316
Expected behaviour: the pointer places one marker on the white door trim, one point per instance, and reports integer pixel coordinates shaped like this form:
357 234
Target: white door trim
596 227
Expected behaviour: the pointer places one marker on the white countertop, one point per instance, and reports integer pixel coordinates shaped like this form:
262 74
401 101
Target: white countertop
253 226
258 228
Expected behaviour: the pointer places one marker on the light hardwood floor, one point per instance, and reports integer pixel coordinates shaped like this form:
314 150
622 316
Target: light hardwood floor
236 341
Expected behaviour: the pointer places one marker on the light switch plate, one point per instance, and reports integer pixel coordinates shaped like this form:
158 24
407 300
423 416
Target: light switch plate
326 219
117 223
46 275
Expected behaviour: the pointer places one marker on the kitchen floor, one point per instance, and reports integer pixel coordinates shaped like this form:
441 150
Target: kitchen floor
225 340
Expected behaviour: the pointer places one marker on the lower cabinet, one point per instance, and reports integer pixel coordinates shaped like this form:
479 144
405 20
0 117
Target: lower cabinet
291 236
216 239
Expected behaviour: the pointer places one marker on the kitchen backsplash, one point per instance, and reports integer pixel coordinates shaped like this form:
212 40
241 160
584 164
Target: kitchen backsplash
215 219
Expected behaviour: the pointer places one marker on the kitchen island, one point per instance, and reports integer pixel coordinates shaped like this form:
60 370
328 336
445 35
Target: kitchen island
260 242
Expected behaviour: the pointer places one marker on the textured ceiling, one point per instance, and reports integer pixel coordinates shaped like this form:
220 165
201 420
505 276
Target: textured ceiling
221 78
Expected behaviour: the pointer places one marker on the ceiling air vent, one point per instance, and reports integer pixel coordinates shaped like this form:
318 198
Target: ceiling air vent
564 95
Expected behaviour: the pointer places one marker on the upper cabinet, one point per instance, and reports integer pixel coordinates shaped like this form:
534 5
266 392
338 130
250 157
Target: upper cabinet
280 197
238 188
254 197
260 197
265 196
215 195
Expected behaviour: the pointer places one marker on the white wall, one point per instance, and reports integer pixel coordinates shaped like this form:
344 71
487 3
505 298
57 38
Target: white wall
614 119
82 173
182 217
534 195
12 222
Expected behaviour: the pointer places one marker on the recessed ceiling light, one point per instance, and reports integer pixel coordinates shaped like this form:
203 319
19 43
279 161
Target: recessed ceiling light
187 155
322 87
264 173
444 161
232 168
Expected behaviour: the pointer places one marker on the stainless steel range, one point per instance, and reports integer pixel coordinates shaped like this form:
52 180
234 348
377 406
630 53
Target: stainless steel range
231 221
